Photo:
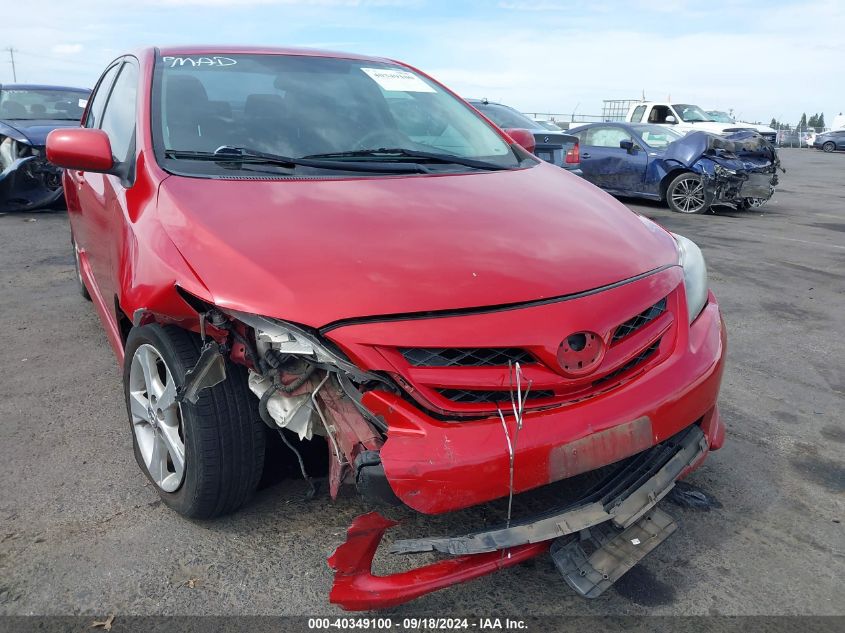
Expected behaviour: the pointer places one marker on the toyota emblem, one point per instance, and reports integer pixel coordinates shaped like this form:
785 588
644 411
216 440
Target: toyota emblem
580 353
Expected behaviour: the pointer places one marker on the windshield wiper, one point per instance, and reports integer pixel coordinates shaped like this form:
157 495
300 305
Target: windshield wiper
230 154
402 152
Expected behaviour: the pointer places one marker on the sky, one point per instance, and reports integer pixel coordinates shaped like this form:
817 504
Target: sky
761 59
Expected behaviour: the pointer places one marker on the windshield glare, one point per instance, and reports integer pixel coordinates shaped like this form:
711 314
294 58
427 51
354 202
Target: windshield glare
691 113
505 117
305 105
39 103
720 117
657 136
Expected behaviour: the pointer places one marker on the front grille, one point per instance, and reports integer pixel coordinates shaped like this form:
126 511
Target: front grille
465 396
635 323
468 357
639 359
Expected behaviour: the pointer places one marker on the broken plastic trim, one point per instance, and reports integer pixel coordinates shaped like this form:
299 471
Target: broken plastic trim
355 587
209 371
628 495
623 508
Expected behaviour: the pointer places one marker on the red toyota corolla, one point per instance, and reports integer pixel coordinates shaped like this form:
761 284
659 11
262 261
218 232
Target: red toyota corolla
338 246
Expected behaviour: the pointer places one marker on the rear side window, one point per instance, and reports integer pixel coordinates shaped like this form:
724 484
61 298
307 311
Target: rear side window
119 118
606 137
98 99
637 116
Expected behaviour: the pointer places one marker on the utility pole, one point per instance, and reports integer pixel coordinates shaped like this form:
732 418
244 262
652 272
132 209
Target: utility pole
12 60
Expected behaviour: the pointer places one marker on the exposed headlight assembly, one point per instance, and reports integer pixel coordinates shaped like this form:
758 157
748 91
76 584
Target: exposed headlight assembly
695 275
290 339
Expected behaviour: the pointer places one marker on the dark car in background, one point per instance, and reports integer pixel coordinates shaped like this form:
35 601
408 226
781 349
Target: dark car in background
690 172
554 147
27 114
830 141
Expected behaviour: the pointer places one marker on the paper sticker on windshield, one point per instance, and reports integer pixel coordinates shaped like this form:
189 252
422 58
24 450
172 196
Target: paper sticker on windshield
397 80
194 62
82 103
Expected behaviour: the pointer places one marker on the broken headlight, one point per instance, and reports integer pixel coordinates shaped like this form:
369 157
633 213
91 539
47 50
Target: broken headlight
293 340
695 275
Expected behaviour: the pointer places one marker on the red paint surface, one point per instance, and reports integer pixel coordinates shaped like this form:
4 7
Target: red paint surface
315 251
437 466
79 148
356 588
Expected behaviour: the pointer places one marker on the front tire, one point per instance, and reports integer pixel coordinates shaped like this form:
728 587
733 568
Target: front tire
685 194
205 459
829 147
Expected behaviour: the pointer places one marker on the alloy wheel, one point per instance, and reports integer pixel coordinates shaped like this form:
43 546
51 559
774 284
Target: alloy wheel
829 147
157 418
688 195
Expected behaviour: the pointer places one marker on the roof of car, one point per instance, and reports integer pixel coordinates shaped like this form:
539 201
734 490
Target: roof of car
40 87
262 50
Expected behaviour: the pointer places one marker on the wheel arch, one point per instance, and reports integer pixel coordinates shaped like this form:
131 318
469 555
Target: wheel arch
669 177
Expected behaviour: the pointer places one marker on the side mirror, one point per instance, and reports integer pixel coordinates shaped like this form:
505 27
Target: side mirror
627 145
80 148
523 137
671 119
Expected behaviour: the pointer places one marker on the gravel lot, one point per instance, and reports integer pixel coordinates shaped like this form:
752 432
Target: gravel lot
81 530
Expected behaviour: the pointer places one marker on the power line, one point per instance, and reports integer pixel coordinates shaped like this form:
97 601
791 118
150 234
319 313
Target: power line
12 61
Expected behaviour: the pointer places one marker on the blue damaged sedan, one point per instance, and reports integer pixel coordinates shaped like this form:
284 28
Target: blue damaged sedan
690 173
27 114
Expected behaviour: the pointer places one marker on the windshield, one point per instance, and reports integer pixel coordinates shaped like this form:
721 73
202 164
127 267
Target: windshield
691 113
720 117
657 136
505 117
42 103
306 106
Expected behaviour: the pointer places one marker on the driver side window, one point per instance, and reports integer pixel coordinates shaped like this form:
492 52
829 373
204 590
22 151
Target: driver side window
98 99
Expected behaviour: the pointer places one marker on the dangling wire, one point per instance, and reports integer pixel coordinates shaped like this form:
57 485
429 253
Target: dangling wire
518 399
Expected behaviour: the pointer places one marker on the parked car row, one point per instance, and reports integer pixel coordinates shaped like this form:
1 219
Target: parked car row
690 173
337 249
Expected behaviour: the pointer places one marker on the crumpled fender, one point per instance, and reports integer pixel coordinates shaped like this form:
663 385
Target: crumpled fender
9 172
744 145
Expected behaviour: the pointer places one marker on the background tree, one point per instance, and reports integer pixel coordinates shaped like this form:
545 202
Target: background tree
820 120
814 121
802 124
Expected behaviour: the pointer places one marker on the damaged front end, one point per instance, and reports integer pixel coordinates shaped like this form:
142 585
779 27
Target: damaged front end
739 170
303 386
408 419
27 180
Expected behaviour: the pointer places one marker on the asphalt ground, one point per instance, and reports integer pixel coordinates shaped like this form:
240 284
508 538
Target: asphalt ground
82 531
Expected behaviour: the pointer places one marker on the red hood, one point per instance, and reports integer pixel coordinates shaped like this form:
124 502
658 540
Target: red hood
315 251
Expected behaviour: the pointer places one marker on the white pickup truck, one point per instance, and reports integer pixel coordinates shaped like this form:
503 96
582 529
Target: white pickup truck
683 117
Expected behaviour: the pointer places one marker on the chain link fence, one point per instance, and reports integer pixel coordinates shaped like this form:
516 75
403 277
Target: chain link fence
797 136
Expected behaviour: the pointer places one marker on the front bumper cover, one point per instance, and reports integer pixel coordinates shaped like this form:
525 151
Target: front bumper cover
435 467
631 490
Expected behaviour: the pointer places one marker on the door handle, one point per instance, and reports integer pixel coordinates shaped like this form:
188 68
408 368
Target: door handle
585 154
